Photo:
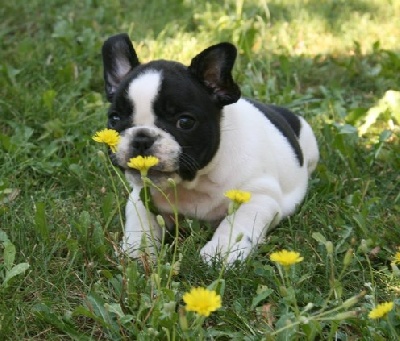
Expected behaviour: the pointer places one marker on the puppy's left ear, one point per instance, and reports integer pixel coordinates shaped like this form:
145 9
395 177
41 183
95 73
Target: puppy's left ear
213 68
119 58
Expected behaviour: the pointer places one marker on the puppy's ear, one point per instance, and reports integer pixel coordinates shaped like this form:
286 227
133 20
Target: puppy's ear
213 68
119 58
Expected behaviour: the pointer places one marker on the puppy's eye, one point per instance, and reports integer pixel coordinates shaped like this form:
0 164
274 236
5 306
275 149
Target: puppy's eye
113 120
185 122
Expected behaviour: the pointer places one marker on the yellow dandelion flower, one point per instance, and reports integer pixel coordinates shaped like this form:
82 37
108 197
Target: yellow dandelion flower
109 137
380 310
237 196
143 163
202 301
396 258
285 257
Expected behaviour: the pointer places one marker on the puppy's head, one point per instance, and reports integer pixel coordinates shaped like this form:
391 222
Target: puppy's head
165 109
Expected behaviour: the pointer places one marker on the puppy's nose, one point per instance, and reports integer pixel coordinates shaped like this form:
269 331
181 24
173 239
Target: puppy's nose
141 143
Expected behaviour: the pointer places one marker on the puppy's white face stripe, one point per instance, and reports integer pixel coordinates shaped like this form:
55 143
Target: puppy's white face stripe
142 92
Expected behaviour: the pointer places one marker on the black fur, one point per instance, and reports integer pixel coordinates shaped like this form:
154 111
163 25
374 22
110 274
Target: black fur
213 68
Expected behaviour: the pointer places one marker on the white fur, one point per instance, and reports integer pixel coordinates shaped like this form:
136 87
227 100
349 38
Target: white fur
142 91
253 156
139 223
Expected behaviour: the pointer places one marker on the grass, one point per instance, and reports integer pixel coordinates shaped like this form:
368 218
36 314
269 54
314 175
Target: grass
335 62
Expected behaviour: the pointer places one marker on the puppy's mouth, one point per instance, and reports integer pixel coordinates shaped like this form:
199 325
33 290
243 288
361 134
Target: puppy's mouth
158 177
152 172
159 171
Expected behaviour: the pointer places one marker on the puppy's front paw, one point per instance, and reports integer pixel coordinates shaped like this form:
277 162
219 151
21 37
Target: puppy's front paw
220 250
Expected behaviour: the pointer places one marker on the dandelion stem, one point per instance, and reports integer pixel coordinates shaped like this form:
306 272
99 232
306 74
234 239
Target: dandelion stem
296 307
196 325
146 191
392 329
224 262
176 237
296 323
114 187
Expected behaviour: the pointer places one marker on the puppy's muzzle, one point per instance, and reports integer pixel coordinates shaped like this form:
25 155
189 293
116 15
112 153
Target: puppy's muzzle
142 143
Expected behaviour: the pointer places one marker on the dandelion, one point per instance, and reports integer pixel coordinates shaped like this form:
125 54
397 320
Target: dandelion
202 301
380 310
285 257
396 258
143 163
238 197
109 137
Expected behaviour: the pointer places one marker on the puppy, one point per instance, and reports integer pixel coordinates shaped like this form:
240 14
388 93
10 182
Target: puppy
208 140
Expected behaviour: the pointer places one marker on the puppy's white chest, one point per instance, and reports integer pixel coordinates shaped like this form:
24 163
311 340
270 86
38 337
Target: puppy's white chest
202 202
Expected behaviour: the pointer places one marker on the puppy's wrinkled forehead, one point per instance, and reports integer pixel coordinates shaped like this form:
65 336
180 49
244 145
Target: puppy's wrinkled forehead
142 92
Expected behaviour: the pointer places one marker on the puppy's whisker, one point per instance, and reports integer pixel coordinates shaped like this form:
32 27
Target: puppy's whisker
193 165
189 162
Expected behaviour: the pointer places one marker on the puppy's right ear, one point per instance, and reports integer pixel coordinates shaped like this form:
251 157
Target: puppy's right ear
119 58
213 68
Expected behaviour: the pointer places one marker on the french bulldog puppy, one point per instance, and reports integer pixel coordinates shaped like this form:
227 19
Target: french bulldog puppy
208 140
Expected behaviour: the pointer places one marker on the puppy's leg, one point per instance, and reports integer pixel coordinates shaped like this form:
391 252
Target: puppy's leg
142 232
240 233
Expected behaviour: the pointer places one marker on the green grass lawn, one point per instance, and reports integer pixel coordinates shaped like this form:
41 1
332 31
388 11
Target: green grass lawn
337 62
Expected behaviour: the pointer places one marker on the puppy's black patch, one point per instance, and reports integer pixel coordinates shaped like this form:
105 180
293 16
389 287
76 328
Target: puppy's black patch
200 142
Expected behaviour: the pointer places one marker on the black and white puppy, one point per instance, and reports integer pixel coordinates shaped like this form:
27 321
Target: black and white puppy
208 140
